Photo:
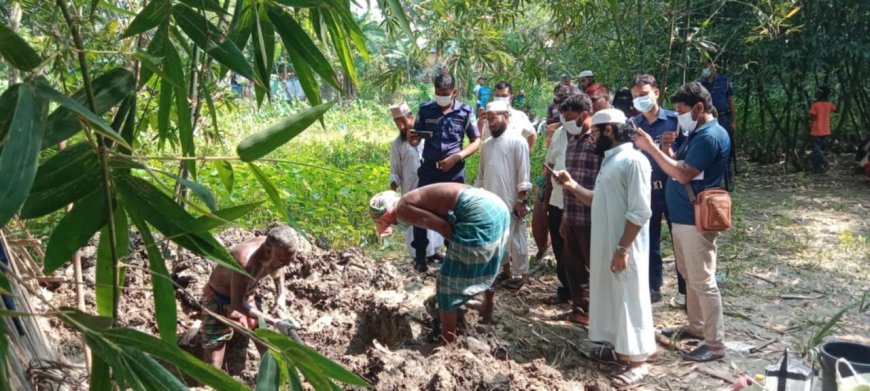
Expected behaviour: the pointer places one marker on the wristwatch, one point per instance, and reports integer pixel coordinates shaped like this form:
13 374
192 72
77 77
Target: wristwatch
621 250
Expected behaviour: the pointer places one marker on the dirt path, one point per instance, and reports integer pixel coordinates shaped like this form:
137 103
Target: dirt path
808 237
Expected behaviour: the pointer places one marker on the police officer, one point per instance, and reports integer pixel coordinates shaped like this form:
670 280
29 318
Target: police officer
721 90
444 122
661 125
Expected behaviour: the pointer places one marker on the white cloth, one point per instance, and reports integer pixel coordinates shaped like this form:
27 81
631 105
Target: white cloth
504 171
518 124
404 162
556 157
620 311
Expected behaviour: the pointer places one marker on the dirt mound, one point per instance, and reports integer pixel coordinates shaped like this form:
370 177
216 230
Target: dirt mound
366 314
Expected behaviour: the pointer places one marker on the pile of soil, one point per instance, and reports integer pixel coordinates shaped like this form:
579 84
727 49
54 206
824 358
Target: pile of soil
368 315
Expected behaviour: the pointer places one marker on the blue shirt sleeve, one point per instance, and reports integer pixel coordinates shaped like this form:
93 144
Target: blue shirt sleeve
729 88
471 128
702 152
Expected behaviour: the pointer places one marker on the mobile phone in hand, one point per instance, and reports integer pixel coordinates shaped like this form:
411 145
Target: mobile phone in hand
548 168
422 134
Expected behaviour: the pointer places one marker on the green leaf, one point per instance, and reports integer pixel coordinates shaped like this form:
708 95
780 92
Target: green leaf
271 191
84 322
107 291
268 378
4 352
267 140
297 41
63 179
161 283
100 126
264 51
170 353
205 5
145 200
202 192
242 24
225 172
339 42
5 286
153 375
7 105
110 89
75 229
172 65
305 357
306 78
16 50
20 155
224 216
155 12
398 13
203 33
101 377
164 109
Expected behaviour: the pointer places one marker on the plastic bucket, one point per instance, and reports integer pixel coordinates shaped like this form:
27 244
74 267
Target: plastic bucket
857 354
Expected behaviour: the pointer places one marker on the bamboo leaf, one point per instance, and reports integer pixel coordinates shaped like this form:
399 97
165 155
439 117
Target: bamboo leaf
267 140
155 12
84 322
143 199
264 51
204 34
172 65
5 286
268 378
4 352
20 156
104 291
271 191
7 105
153 375
339 42
16 51
62 180
184 361
297 41
201 192
161 283
75 229
224 216
164 109
101 377
242 24
110 89
306 78
205 5
307 358
398 13
100 126
225 172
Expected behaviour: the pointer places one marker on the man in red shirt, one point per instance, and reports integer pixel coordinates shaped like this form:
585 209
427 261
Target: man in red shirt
820 115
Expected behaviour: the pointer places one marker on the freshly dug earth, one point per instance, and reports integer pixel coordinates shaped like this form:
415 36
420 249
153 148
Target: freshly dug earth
368 315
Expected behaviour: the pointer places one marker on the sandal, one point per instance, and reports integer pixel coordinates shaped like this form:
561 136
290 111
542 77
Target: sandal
679 333
605 354
513 283
575 316
703 354
630 378
500 278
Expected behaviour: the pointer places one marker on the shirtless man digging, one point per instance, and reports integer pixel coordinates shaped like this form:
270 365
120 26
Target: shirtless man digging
231 295
475 222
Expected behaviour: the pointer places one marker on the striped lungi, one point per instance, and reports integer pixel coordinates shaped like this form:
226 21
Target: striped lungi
480 223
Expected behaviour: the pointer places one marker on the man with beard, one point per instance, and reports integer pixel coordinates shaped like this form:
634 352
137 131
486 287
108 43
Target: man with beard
620 311
585 79
504 171
518 121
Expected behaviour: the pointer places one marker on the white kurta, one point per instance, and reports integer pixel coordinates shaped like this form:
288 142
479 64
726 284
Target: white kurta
504 171
620 311
404 162
556 157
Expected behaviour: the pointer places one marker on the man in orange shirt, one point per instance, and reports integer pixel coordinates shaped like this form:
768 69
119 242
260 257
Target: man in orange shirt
820 115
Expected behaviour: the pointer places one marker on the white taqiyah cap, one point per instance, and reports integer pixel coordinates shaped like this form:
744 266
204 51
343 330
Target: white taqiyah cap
586 73
498 106
400 110
608 116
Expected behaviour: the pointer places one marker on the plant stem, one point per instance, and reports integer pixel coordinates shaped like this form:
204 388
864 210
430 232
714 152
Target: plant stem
101 146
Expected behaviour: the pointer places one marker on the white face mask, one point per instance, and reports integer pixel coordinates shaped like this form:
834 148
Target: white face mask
571 127
686 122
443 100
561 119
644 103
501 99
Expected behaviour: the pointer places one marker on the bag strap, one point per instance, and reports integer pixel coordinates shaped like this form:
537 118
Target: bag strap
691 192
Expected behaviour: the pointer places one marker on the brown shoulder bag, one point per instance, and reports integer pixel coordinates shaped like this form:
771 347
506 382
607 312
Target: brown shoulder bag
712 209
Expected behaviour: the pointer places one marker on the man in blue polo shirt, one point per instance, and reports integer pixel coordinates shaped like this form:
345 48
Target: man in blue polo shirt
722 92
444 122
701 163
661 125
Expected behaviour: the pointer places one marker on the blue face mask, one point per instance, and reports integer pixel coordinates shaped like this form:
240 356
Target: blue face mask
705 73
643 103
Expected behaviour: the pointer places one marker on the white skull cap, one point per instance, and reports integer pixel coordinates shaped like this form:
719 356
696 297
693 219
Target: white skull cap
400 110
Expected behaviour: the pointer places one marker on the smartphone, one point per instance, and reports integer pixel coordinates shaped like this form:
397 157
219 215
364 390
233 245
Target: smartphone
548 168
422 134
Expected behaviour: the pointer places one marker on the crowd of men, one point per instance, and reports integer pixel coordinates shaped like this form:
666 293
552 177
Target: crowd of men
615 166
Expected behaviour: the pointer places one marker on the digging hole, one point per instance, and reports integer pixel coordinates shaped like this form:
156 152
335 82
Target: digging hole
388 324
